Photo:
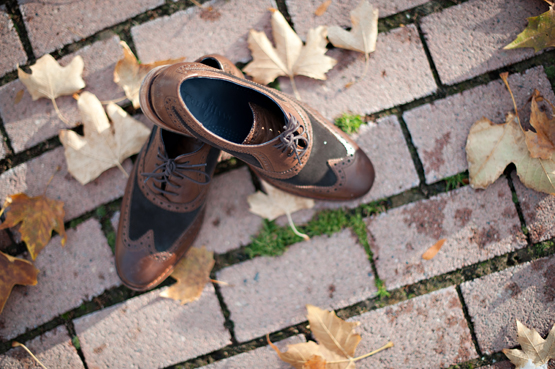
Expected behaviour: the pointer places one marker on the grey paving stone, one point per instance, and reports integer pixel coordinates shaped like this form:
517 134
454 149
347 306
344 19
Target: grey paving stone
31 177
468 39
53 348
398 72
3 147
228 224
261 358
68 276
50 26
538 209
477 226
338 13
439 130
267 294
29 122
13 53
494 302
192 33
149 331
501 365
429 331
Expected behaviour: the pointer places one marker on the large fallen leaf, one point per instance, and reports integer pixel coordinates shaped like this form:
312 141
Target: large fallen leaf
103 146
192 273
539 34
275 203
337 342
39 216
541 143
14 271
289 57
129 74
536 351
364 33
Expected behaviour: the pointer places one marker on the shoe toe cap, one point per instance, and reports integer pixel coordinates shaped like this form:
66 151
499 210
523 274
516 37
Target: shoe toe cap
359 177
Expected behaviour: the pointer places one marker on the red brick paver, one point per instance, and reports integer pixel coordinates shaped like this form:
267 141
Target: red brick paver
398 72
525 292
268 294
150 331
51 25
468 39
261 358
228 224
29 122
193 32
12 49
54 349
338 13
68 276
501 365
538 209
439 130
477 225
429 331
31 177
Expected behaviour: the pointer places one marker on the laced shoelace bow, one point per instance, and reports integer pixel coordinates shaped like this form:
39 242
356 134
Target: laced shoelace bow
169 167
298 144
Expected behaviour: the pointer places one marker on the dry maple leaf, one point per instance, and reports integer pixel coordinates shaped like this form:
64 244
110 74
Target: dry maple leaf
364 33
337 342
276 203
14 271
39 216
103 146
50 80
433 250
289 57
536 351
491 147
540 32
192 273
129 74
541 143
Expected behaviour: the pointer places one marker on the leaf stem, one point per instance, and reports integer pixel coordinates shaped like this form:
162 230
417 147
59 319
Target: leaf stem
62 118
295 91
17 344
122 169
6 203
292 225
114 101
219 282
504 77
50 180
352 360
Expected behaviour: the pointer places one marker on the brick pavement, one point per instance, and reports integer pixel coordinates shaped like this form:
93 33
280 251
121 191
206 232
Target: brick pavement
268 294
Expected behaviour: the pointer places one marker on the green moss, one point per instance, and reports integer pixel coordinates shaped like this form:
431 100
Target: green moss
382 291
272 240
101 211
550 71
349 123
327 222
76 343
456 181
544 248
275 84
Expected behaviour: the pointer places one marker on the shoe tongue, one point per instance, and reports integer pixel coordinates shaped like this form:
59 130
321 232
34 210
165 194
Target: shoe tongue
265 127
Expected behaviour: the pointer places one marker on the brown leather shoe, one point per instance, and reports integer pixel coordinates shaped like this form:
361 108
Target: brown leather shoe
164 202
284 141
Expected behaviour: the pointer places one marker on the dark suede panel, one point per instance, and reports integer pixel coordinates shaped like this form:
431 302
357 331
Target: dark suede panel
325 146
145 215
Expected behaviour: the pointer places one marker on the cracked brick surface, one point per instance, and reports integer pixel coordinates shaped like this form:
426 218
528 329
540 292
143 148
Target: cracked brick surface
68 276
338 13
268 294
467 40
31 177
53 348
439 130
398 72
149 331
12 49
194 32
477 226
29 122
50 26
494 302
538 209
260 358
428 331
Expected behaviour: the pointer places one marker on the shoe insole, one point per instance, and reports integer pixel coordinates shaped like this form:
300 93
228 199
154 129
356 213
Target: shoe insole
223 106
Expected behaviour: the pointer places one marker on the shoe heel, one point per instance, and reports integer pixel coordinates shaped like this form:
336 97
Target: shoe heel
144 98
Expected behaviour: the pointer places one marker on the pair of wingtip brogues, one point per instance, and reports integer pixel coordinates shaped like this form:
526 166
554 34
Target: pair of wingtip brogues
199 109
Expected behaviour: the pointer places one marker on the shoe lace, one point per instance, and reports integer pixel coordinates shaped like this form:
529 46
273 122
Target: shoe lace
169 167
292 140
